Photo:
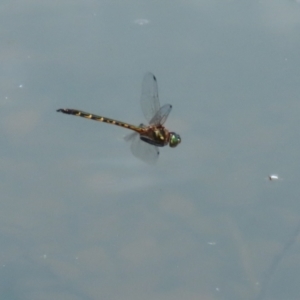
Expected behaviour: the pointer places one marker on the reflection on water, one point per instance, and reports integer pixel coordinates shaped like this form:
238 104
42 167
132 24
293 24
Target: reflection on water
141 22
276 261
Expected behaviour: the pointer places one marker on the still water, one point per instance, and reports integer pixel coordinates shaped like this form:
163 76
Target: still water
82 218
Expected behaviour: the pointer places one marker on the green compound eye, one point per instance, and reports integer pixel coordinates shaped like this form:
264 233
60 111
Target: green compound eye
174 139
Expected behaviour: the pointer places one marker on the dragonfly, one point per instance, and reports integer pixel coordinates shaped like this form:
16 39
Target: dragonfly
145 139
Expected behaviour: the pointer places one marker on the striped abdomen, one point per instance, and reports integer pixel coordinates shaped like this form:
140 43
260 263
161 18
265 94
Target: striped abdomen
86 115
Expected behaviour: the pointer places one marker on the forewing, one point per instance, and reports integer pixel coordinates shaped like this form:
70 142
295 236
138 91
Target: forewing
162 115
149 99
142 150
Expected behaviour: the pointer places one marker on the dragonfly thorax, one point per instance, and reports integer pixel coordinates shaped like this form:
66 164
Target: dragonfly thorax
155 135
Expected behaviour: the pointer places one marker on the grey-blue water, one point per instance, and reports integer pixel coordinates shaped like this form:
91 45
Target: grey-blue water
82 218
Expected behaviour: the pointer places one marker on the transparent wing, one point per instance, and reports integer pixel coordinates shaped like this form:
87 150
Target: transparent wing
142 150
161 116
149 99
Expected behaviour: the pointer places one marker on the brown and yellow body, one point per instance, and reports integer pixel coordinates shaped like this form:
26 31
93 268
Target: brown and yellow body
156 135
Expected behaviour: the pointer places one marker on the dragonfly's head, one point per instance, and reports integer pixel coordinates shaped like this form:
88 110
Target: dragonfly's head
174 139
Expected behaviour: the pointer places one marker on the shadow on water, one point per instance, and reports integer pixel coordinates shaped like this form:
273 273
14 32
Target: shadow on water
276 261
